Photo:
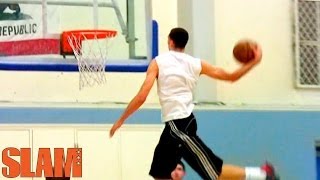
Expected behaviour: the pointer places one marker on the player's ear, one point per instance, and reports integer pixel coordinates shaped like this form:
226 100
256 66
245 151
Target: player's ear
170 42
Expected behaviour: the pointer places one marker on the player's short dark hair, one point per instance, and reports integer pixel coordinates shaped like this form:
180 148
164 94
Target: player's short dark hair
182 164
179 36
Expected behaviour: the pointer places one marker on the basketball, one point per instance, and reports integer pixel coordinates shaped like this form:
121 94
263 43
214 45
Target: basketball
243 51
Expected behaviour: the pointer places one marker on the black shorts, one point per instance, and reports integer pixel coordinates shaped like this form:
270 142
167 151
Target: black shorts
179 140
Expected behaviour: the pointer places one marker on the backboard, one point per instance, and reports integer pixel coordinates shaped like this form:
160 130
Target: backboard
29 37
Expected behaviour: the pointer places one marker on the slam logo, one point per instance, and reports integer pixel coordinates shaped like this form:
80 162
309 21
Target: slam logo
48 165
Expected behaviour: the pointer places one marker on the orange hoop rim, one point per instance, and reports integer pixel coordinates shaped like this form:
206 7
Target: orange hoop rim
90 34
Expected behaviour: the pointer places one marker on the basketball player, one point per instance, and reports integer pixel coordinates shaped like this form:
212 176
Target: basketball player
177 74
179 172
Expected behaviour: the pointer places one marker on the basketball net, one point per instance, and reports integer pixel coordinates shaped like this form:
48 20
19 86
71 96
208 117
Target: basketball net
90 50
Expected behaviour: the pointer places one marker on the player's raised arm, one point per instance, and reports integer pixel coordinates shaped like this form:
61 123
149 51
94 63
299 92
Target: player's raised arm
221 74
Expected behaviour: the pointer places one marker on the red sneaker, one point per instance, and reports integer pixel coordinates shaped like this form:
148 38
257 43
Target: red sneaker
270 171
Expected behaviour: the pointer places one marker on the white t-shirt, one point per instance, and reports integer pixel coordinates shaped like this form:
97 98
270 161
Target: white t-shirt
177 78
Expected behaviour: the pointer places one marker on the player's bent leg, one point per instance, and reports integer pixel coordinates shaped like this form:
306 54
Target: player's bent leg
194 151
231 172
166 156
202 159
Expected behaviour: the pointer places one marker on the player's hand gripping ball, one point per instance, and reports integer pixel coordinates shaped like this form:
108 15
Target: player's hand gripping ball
243 50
